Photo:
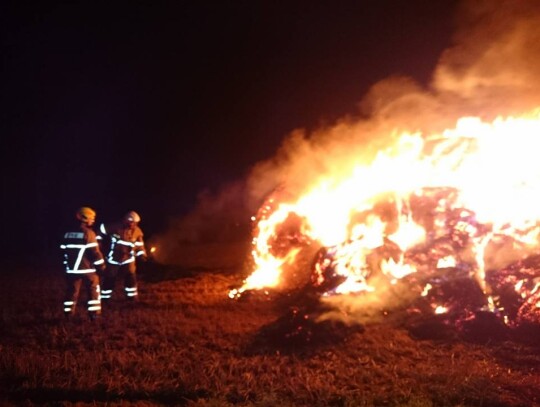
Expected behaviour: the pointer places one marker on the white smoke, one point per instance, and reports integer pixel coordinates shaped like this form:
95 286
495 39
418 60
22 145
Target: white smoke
492 67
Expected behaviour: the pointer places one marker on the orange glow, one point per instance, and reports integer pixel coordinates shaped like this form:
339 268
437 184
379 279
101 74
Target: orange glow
490 168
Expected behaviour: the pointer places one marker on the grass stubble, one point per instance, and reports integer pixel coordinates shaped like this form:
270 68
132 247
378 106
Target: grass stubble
187 343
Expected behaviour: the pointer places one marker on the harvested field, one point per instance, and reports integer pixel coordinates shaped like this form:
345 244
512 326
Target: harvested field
187 343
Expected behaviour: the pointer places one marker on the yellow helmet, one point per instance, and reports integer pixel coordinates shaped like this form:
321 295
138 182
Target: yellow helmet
86 215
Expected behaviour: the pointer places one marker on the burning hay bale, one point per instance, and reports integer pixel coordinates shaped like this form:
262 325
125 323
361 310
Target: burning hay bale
518 289
421 228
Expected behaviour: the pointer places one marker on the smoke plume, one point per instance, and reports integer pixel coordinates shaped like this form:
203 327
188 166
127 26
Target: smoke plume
489 69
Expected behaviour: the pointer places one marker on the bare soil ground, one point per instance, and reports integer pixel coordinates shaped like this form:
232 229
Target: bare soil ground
187 343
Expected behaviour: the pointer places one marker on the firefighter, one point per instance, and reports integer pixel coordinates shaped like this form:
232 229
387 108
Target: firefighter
81 258
125 245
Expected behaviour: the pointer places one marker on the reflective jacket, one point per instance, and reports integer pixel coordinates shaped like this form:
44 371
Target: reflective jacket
125 243
81 251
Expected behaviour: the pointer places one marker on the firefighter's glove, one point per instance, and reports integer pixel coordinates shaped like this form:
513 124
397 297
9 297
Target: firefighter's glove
143 258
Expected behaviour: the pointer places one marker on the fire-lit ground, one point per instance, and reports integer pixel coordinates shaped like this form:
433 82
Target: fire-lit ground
188 343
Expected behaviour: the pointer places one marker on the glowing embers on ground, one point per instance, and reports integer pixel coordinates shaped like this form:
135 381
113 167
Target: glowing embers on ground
429 208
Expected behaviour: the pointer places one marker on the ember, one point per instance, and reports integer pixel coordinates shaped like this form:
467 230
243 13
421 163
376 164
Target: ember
447 217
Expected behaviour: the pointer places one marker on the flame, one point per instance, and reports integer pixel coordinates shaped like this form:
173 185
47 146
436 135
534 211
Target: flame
446 262
491 178
426 289
439 309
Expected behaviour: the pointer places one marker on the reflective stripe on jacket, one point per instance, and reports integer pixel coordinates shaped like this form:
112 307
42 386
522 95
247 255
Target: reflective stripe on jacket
126 243
81 251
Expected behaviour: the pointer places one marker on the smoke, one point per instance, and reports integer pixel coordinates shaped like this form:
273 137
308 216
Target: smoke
370 307
490 69
217 218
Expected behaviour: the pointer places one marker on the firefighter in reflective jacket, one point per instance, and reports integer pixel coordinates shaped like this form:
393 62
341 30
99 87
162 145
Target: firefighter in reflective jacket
125 244
81 258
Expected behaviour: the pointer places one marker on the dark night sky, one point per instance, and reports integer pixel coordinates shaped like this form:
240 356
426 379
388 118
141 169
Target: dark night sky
142 104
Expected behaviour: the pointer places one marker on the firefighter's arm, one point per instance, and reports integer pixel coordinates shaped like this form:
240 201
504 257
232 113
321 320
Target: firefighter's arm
102 237
140 251
95 253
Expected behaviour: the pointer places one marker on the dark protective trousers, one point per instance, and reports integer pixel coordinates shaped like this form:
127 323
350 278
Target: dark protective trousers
91 285
127 273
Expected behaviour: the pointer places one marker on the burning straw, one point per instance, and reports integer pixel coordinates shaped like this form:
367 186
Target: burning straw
428 187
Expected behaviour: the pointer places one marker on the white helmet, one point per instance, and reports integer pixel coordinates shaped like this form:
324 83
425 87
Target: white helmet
132 216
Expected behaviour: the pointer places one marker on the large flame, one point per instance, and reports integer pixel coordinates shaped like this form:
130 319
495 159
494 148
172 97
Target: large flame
490 175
